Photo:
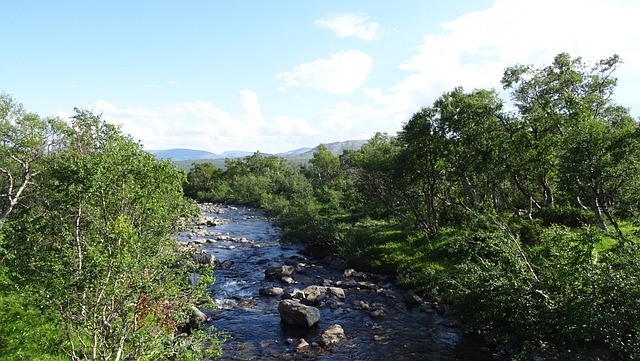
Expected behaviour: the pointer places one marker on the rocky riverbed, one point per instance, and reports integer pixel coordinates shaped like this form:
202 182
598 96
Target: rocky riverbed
277 304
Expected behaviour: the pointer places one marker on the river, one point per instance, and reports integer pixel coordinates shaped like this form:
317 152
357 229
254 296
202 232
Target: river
247 243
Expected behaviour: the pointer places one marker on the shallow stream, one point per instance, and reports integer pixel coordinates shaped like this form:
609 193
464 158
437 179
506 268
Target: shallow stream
404 332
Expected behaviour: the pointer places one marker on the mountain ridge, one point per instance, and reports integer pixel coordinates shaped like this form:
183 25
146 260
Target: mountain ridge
184 157
183 154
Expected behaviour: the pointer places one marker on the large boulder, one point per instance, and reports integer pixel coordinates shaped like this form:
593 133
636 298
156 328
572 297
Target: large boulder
295 313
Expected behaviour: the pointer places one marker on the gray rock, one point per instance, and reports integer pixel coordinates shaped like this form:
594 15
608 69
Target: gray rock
204 259
226 264
412 298
348 273
347 284
316 294
197 318
312 293
332 335
271 291
288 280
294 294
303 345
377 313
278 273
295 313
336 292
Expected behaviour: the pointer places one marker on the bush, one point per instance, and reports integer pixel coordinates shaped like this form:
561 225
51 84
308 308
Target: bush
563 293
566 216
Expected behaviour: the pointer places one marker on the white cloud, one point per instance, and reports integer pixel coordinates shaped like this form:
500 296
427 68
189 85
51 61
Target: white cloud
203 125
293 127
342 73
248 100
347 25
353 121
474 49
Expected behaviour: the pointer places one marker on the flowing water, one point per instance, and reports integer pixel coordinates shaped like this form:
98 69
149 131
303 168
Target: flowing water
253 323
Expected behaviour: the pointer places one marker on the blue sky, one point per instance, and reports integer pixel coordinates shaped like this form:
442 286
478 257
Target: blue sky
282 74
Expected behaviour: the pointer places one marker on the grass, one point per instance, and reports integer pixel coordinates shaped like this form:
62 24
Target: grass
421 263
25 334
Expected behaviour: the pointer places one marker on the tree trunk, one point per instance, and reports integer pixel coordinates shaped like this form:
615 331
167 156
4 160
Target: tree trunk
546 190
597 211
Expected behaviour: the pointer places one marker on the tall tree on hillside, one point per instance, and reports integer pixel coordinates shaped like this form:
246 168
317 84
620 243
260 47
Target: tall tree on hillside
25 139
324 167
450 157
570 133
602 163
374 172
470 123
545 99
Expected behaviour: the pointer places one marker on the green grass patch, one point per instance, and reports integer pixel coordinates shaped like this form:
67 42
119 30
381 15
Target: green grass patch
26 334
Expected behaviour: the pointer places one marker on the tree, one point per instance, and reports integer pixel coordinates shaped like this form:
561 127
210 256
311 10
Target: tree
324 168
25 139
376 171
568 132
473 146
545 99
601 164
204 182
97 244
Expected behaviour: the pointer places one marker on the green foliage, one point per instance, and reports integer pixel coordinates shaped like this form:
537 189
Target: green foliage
94 246
204 182
26 333
566 291
201 344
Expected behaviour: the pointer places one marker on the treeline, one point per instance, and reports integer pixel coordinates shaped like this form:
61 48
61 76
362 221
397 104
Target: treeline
89 268
522 214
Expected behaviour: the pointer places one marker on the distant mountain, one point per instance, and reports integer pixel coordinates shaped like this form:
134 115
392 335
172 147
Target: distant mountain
184 158
294 152
184 154
336 148
235 154
180 154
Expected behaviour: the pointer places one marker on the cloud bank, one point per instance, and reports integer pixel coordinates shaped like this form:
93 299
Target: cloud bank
351 25
342 73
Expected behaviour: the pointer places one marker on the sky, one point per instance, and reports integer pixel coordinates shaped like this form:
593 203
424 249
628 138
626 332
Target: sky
280 75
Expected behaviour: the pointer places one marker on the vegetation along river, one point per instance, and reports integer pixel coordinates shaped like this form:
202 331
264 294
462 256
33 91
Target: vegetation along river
378 323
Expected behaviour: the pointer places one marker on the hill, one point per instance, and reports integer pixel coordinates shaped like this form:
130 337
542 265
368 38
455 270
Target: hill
184 158
336 148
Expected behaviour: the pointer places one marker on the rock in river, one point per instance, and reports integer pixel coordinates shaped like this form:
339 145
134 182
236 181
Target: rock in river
295 313
332 335
271 291
412 298
204 259
278 273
